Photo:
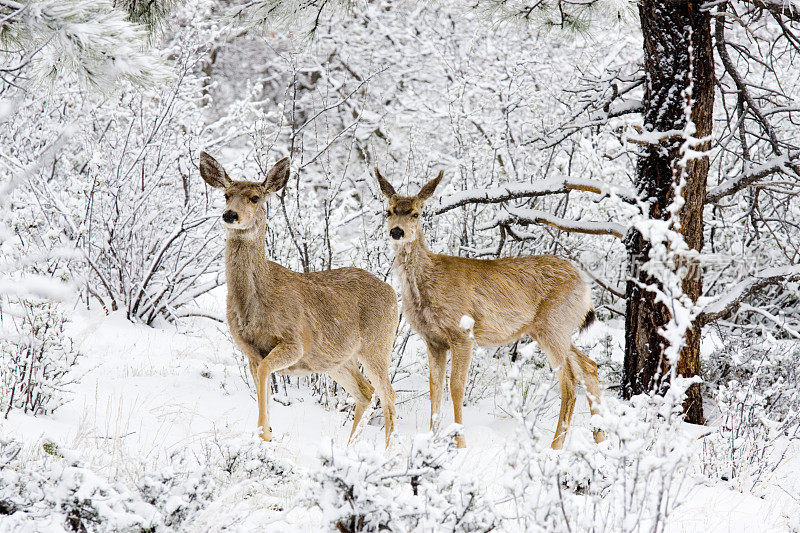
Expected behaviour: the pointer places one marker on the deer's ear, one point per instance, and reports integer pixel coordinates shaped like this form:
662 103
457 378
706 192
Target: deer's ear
386 187
277 176
212 172
429 188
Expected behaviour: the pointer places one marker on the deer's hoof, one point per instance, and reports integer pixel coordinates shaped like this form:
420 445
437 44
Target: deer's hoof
599 436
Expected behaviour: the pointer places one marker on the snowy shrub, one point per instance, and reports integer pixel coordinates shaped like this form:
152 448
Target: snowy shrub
759 411
53 490
237 467
37 359
363 489
121 194
631 482
55 493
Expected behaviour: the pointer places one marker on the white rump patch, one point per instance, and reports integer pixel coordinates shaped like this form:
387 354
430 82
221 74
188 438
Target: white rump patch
466 322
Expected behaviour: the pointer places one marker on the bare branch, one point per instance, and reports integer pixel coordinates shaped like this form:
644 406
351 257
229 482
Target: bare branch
741 85
202 314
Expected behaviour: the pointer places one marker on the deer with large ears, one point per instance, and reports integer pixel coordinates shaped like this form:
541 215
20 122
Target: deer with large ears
296 323
451 301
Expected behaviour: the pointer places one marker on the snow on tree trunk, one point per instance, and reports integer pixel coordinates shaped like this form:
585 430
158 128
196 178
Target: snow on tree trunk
677 41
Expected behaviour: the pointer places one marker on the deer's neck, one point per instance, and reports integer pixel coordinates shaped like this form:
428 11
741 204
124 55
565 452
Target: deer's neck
413 264
246 265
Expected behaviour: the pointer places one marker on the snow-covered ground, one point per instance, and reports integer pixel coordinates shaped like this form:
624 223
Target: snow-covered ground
146 394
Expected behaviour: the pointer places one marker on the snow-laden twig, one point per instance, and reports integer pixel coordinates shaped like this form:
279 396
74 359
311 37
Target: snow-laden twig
92 40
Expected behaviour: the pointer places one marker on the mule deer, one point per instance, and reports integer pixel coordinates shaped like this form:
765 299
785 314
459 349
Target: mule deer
296 323
451 300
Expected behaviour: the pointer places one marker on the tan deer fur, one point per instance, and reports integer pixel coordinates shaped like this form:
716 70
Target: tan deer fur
296 323
542 296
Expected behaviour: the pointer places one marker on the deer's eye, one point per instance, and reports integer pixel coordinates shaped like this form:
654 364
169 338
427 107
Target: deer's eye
415 215
388 212
254 199
227 197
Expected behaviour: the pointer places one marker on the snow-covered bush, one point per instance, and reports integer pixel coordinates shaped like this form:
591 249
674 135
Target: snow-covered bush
758 401
51 488
37 359
630 482
121 192
54 492
225 471
363 489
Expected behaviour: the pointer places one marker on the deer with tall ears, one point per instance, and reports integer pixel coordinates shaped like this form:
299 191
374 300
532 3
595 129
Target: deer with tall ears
452 300
296 323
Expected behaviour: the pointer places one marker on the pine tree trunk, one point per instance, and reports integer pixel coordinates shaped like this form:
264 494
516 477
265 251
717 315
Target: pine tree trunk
677 40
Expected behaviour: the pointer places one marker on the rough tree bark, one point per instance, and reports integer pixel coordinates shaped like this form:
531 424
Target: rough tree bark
677 41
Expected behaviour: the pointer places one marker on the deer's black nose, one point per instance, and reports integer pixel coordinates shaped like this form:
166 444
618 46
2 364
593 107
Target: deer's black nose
230 216
396 233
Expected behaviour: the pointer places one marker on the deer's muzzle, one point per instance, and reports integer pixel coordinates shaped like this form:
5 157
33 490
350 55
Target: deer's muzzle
230 217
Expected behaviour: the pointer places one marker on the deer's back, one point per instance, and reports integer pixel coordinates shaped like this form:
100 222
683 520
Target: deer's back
503 296
361 295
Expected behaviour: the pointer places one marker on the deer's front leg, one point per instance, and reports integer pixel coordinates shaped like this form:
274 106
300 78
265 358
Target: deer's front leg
282 356
253 359
437 363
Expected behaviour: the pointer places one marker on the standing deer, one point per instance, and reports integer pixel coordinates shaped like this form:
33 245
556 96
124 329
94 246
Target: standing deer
451 300
296 323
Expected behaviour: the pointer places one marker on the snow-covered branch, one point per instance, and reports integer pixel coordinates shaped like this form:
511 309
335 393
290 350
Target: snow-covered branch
604 100
725 304
741 84
782 163
93 40
786 8
535 216
514 191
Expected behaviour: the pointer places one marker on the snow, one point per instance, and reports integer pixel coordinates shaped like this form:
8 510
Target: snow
148 393
37 286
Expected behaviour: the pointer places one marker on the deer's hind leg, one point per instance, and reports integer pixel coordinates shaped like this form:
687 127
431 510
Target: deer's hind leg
461 356
376 366
588 373
353 381
558 354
